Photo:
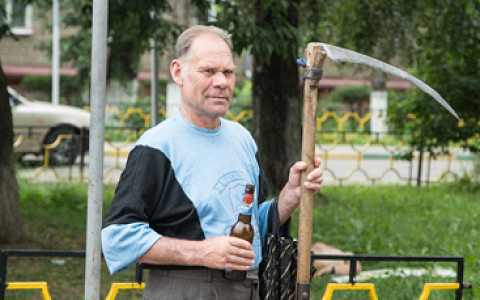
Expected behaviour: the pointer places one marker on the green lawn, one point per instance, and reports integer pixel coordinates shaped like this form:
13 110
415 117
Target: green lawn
381 220
406 221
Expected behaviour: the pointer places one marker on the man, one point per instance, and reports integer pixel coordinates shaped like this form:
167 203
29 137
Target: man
183 184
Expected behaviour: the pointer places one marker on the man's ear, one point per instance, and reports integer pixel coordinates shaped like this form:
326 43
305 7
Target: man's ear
176 72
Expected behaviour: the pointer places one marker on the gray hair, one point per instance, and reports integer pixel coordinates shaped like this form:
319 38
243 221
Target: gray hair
185 40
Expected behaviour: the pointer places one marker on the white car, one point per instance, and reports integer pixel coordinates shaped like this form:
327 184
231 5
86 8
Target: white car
37 124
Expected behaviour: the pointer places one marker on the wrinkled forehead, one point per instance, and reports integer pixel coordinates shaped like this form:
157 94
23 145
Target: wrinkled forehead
208 44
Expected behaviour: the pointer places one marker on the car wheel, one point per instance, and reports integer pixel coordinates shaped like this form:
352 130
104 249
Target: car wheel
67 151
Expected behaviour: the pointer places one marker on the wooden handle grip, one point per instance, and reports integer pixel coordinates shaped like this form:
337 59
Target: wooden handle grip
315 58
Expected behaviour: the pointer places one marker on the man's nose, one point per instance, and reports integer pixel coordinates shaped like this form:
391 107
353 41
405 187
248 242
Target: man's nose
220 80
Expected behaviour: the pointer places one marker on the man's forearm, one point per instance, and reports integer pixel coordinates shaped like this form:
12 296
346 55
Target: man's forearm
287 202
172 251
220 252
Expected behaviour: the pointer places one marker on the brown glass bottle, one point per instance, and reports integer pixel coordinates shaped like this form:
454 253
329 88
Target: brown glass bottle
243 229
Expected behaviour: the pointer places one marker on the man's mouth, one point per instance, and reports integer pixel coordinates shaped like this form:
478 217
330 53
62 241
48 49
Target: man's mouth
219 97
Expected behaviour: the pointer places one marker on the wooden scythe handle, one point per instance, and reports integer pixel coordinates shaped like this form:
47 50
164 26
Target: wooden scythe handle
315 58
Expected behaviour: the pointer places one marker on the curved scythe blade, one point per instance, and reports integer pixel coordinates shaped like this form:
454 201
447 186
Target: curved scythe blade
338 54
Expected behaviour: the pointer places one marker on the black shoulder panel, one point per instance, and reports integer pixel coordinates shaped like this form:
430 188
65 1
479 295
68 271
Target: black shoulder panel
148 191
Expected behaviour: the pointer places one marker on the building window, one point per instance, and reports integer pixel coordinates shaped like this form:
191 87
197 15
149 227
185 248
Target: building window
19 17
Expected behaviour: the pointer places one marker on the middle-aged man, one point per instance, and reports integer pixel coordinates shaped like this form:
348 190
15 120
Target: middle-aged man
183 184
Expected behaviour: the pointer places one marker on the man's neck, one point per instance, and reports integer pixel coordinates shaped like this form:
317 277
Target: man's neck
201 121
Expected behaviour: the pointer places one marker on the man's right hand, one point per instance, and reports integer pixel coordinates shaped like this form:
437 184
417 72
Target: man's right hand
221 252
225 252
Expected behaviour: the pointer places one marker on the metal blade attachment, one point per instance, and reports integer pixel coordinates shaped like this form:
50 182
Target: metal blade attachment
338 54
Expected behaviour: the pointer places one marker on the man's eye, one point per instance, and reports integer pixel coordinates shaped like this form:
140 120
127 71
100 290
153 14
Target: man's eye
228 73
209 71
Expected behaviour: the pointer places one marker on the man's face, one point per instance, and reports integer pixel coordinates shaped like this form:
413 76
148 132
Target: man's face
207 77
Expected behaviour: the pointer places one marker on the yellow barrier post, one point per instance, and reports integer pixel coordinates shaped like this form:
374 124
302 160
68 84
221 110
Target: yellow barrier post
46 159
427 287
331 287
42 285
116 286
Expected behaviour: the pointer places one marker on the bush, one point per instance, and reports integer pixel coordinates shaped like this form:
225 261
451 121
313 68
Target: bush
350 94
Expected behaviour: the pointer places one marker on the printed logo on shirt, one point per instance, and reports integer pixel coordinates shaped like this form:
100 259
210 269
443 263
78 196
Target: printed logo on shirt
225 180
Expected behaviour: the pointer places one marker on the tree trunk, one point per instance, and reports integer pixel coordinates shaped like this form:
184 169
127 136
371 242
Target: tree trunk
277 117
10 217
277 105
379 80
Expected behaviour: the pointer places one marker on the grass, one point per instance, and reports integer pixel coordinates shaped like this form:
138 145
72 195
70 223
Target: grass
382 220
401 220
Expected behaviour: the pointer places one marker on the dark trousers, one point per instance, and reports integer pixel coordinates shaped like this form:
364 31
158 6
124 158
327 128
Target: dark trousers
199 284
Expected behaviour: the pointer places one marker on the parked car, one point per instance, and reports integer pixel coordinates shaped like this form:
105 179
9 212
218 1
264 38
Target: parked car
36 124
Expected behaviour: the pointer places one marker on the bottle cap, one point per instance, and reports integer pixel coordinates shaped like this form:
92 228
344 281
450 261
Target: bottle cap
249 188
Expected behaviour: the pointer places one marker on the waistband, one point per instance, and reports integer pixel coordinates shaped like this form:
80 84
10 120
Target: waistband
172 267
201 273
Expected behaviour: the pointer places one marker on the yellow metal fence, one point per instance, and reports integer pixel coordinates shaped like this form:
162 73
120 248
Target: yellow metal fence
331 288
342 139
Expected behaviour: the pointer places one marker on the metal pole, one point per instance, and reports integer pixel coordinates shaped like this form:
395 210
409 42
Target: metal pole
154 78
154 81
97 137
3 273
460 266
56 53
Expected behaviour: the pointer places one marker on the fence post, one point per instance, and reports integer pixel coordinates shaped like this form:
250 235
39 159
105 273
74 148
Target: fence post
458 294
139 273
3 273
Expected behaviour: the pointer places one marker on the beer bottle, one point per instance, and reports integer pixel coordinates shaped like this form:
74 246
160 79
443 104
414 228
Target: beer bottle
243 229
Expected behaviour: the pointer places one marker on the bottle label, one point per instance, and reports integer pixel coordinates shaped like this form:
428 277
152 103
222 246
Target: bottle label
247 210
248 199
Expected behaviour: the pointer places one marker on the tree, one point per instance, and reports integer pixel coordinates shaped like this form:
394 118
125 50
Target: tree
449 59
130 26
10 218
381 29
274 31
439 38
276 90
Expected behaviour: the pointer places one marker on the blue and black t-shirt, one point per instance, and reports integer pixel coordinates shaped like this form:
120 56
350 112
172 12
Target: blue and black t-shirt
185 182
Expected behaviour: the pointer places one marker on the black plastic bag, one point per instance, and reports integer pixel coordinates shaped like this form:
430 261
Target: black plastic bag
278 269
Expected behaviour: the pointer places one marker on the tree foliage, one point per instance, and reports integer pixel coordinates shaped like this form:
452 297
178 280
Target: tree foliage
437 39
131 25
449 60
262 27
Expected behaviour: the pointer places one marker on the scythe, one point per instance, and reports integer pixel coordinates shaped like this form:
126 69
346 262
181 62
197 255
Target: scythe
316 54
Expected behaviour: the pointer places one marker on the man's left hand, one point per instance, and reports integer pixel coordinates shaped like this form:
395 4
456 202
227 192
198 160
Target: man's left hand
289 197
